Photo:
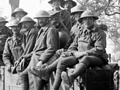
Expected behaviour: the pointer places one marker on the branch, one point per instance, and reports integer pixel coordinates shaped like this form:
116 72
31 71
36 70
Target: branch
112 13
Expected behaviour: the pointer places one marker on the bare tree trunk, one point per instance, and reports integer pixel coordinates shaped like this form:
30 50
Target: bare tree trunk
14 4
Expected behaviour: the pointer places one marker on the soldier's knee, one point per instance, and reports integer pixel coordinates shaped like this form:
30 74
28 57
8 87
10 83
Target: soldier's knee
85 60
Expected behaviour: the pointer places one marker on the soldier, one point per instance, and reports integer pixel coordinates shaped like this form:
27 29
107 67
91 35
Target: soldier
75 14
18 13
47 43
88 49
65 15
28 43
63 33
13 46
68 4
5 32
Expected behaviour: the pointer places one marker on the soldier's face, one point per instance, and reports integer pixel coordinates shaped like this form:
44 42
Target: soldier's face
55 4
77 16
68 5
2 25
19 15
15 29
88 22
26 25
42 21
55 19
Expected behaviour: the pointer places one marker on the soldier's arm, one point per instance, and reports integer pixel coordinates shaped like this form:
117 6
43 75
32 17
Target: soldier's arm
99 46
7 53
31 41
66 19
52 42
74 44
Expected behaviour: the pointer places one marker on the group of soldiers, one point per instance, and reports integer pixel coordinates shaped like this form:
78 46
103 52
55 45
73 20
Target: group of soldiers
60 39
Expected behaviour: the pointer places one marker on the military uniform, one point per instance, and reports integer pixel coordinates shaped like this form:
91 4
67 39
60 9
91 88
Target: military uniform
93 42
13 50
74 31
29 39
4 34
65 17
47 43
28 43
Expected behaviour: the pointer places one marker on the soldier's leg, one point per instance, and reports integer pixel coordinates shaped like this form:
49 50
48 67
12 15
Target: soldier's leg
24 81
46 69
84 62
1 61
62 65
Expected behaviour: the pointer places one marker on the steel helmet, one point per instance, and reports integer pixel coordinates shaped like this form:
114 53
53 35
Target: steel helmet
18 10
53 12
73 2
88 13
26 19
104 27
2 20
77 8
51 1
13 23
42 13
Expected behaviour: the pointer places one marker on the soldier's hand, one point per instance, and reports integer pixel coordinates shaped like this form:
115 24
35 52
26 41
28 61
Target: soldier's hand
39 64
22 63
79 54
16 63
8 68
59 51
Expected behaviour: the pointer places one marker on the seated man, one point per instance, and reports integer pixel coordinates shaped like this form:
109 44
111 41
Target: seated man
13 46
63 33
88 49
68 4
47 43
65 15
75 16
5 32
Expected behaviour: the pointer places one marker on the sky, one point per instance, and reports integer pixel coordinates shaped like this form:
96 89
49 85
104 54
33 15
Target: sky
31 6
34 5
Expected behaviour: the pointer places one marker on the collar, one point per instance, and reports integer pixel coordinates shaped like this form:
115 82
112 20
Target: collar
44 28
90 29
18 37
78 23
27 30
58 9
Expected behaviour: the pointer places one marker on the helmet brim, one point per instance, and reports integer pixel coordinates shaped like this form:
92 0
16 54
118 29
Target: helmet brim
13 14
81 19
42 17
73 3
27 21
3 21
77 11
15 25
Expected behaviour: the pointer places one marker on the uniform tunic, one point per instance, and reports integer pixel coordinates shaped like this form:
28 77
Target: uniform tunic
13 50
47 43
4 34
93 41
29 39
74 31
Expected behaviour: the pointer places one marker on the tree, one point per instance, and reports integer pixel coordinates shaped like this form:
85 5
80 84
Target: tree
14 4
109 7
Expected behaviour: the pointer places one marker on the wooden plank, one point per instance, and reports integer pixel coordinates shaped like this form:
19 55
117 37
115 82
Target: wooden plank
9 81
